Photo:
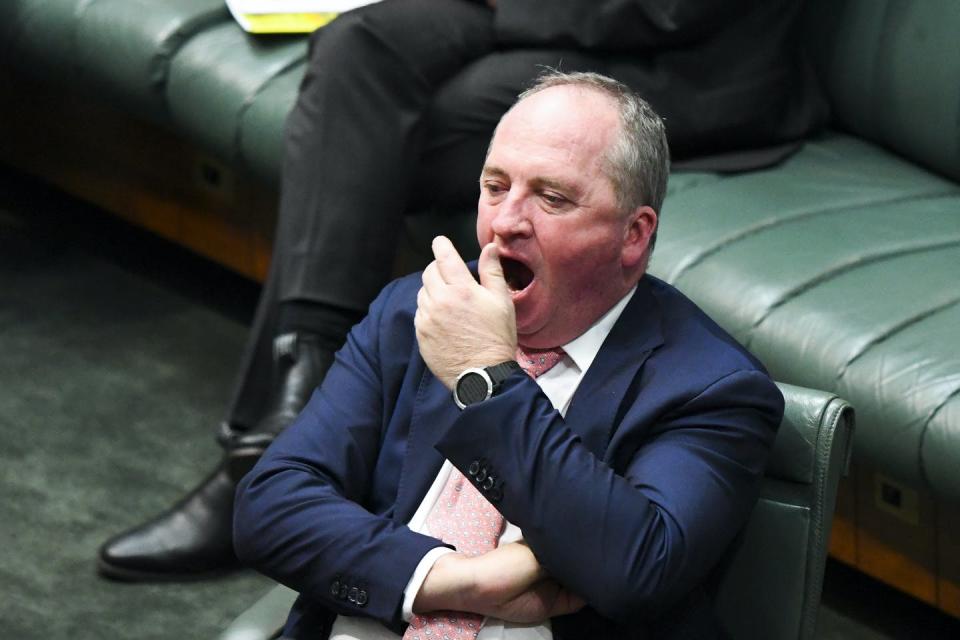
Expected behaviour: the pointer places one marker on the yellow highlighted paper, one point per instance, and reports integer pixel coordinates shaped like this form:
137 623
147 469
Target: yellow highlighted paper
285 22
288 16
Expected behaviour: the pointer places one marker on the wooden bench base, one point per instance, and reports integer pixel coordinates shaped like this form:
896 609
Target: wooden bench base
900 536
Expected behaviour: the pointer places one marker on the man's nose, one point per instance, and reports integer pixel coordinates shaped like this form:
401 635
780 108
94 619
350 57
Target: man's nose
512 218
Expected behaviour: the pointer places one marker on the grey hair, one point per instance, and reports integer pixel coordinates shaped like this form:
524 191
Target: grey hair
638 160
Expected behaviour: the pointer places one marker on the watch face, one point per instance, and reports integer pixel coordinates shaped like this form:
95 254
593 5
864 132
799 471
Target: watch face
473 385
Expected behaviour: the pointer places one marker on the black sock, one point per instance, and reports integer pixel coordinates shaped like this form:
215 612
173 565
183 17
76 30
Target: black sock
328 323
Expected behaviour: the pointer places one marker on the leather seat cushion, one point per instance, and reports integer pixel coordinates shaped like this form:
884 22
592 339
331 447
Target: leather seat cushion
217 75
125 46
838 269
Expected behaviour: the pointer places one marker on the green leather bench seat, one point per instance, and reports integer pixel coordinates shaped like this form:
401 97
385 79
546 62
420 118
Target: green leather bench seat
260 136
217 75
839 269
38 36
182 63
125 46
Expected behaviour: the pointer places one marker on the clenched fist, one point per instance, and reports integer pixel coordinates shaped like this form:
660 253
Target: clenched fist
460 323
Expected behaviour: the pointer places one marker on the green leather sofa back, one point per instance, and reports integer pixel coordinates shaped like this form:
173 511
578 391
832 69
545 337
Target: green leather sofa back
891 69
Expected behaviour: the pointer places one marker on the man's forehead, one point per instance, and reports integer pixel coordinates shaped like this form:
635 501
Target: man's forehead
563 115
578 107
560 127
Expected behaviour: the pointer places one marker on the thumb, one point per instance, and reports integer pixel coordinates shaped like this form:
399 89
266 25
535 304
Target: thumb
490 270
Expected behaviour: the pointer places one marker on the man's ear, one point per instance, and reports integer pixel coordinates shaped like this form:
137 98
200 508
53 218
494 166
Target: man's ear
639 230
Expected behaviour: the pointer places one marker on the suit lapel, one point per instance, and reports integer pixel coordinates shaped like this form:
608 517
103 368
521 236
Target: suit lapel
593 410
421 462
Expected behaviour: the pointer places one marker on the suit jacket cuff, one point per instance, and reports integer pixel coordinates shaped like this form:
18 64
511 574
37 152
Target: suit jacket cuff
419 575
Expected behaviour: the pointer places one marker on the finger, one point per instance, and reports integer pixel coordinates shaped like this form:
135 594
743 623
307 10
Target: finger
423 299
566 602
451 266
491 271
431 278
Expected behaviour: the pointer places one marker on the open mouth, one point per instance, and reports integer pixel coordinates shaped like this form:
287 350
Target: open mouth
518 275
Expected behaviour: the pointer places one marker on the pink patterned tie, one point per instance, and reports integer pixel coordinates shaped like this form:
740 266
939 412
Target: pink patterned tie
463 517
537 362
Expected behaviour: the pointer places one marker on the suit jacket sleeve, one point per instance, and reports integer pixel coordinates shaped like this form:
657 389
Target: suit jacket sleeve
299 516
636 529
612 25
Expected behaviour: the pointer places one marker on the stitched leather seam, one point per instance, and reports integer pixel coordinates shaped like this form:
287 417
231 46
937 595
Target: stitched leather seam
923 435
842 268
763 225
895 329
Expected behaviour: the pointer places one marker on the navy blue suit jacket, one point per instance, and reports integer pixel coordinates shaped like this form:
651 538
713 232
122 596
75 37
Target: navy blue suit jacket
628 501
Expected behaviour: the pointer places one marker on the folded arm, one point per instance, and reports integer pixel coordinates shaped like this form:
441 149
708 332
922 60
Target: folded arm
640 528
309 515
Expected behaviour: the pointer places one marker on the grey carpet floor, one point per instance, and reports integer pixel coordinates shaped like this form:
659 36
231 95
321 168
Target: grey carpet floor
117 355
111 380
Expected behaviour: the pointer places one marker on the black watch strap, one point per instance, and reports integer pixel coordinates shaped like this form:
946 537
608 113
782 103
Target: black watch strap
500 372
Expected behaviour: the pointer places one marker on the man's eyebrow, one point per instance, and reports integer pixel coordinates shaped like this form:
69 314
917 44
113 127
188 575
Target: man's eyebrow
495 171
492 171
549 183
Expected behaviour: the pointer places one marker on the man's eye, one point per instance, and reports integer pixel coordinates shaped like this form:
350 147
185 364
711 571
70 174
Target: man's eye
553 199
493 188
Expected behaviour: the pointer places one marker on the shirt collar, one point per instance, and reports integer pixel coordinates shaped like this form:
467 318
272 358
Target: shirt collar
584 348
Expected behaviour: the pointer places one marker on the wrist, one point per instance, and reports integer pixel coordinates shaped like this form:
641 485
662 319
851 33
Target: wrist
446 586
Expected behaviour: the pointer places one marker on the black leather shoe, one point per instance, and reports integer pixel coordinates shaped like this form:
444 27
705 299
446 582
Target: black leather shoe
300 363
190 541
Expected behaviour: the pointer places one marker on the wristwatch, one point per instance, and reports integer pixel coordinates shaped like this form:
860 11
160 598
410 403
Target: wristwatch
476 385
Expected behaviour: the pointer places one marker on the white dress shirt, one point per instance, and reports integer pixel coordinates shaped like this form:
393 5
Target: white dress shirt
558 384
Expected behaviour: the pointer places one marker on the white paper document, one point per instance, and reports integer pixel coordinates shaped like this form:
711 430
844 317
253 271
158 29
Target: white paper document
288 16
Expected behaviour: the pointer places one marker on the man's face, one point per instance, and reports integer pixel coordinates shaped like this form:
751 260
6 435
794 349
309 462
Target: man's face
568 252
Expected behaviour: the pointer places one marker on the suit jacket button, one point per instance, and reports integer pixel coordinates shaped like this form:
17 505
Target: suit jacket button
342 594
335 588
481 475
495 495
354 594
473 469
362 598
488 484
